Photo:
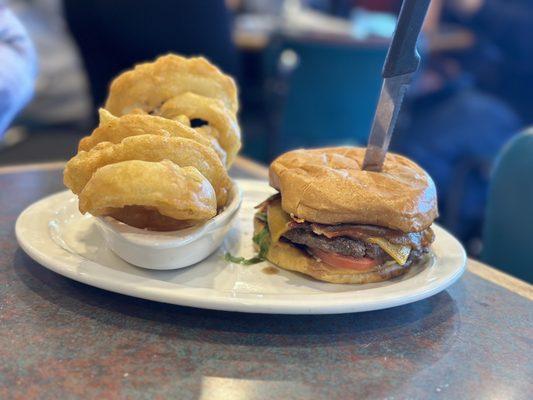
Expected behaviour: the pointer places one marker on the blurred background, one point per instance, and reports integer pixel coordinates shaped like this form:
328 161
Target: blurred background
309 75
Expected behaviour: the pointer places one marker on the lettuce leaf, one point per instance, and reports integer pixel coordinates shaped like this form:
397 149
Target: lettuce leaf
262 239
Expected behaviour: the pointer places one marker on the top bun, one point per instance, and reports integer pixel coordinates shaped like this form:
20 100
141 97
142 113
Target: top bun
328 186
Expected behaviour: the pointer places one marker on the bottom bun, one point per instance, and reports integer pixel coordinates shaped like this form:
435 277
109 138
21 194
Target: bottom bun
289 257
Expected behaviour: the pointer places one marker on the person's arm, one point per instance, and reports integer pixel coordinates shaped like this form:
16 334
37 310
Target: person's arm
17 67
466 8
432 20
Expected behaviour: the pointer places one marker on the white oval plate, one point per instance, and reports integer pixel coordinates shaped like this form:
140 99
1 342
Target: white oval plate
56 235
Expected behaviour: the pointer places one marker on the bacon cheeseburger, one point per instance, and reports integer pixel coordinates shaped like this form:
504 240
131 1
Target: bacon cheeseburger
340 224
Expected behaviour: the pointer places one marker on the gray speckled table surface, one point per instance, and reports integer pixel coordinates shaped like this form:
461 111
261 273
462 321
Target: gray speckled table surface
63 339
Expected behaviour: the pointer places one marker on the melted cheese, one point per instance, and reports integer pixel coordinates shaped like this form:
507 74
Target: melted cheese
277 219
399 252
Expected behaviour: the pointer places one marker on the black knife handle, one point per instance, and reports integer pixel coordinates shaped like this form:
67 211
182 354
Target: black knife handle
402 57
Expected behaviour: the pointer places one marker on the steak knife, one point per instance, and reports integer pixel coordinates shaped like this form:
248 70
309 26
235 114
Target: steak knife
400 64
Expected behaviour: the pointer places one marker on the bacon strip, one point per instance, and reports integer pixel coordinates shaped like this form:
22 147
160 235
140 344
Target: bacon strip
362 232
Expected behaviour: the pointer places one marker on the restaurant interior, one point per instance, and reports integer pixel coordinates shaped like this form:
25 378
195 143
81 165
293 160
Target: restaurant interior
309 74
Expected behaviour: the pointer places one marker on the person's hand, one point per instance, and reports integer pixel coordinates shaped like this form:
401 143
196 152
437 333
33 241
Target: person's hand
17 67
465 8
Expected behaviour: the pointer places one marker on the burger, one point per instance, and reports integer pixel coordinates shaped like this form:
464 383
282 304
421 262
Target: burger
337 223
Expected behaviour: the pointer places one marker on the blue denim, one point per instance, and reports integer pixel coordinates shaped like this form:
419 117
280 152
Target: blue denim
18 67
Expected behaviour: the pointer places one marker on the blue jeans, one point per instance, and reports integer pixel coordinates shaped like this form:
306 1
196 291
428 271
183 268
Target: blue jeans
17 67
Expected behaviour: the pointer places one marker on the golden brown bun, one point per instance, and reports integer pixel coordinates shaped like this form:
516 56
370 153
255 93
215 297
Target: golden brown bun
328 186
289 257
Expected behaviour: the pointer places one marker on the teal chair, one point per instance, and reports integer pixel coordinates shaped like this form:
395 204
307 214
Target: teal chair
508 233
330 94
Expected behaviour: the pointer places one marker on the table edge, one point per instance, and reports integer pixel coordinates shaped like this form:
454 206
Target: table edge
500 278
40 166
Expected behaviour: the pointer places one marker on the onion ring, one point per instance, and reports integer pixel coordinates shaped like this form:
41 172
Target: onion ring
149 218
182 152
213 112
114 129
175 192
149 85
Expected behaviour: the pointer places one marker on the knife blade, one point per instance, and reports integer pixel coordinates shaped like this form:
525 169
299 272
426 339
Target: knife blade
400 64
389 104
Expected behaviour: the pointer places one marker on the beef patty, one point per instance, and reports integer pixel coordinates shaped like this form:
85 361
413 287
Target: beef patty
346 246
341 245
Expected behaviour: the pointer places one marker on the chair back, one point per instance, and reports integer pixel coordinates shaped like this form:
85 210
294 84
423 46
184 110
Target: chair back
508 231
331 94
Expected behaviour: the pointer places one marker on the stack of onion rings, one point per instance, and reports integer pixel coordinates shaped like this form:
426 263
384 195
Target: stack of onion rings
173 87
144 164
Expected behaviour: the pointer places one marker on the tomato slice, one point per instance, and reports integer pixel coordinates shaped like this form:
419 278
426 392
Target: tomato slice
341 261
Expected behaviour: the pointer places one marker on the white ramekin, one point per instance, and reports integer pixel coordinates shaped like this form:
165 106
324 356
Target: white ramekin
170 250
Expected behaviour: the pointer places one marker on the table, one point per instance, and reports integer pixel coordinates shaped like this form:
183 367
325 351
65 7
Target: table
445 39
63 339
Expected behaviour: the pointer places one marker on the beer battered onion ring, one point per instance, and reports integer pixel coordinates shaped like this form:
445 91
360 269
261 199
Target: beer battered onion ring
183 194
115 129
148 218
149 85
147 164
212 111
183 152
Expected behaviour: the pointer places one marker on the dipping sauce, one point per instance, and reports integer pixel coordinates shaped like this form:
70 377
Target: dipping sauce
270 270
